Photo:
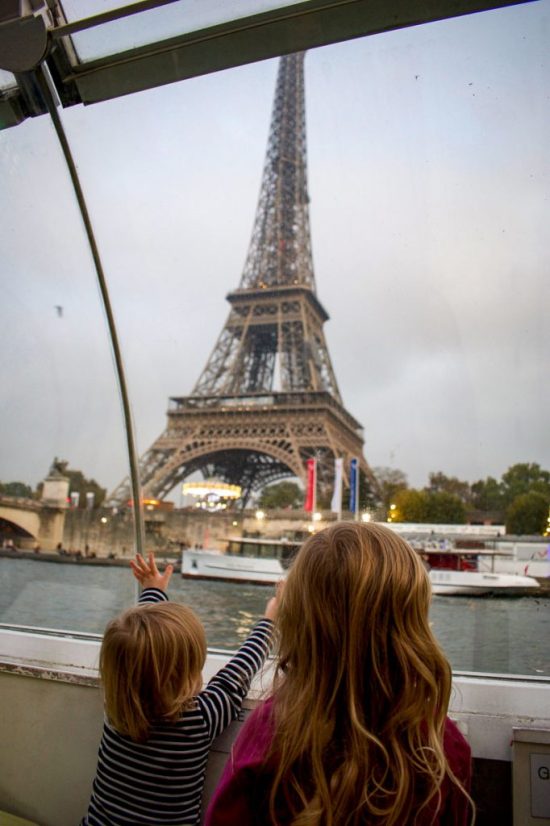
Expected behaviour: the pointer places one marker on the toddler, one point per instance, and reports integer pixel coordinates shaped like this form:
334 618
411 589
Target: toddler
159 725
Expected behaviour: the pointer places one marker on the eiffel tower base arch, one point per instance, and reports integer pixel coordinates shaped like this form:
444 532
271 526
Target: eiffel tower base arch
251 442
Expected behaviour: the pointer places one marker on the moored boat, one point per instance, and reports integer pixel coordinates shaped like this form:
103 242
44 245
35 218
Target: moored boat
246 559
456 572
264 562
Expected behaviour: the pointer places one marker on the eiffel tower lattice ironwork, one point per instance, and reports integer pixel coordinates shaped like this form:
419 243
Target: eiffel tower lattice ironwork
267 399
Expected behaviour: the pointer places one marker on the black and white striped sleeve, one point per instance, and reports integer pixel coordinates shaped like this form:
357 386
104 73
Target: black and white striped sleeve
151 595
223 697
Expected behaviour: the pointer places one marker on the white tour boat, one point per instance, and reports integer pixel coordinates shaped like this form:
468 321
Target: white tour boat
457 572
262 561
247 559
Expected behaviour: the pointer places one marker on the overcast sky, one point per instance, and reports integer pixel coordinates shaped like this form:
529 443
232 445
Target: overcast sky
429 181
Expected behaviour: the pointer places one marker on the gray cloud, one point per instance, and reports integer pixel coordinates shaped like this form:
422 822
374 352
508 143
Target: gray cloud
428 211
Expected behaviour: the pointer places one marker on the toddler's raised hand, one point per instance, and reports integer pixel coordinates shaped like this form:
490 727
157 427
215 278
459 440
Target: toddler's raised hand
147 573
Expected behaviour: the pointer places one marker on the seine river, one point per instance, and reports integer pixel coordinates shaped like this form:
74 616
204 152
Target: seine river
491 635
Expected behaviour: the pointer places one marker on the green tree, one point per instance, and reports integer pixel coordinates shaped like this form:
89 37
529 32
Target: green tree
422 506
369 497
446 508
528 514
410 506
282 495
487 495
16 489
390 481
440 483
525 477
78 483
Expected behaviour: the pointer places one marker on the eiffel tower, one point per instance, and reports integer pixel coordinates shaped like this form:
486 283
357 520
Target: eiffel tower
267 399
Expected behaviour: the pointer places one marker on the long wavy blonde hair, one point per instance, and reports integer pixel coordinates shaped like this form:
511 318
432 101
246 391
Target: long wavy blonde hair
361 688
150 664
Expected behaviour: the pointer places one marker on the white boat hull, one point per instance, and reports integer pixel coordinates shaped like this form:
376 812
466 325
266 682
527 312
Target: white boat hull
200 564
217 565
456 583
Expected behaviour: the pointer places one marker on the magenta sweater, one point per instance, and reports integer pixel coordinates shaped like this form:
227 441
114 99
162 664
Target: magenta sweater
242 795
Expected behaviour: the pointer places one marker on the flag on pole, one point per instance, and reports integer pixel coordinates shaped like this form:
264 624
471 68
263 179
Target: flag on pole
354 486
311 466
336 503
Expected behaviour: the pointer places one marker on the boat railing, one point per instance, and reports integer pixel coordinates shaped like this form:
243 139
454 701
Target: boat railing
50 685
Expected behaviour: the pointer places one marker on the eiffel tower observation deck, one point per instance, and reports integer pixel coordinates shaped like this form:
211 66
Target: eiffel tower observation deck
267 399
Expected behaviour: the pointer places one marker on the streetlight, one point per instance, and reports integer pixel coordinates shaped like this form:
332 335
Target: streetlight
366 517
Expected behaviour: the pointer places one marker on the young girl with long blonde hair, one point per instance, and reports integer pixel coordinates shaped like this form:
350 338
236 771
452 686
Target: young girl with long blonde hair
356 730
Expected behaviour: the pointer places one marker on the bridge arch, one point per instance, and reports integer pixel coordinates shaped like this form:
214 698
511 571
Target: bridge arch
26 521
17 533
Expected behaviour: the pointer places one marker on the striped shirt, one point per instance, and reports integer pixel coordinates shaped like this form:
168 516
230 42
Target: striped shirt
160 782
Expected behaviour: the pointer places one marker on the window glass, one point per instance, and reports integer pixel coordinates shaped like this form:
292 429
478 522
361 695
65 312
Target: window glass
61 416
166 21
429 203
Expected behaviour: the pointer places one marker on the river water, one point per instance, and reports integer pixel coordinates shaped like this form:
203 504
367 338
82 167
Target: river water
489 635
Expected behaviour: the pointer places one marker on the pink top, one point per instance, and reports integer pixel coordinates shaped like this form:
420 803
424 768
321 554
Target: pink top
242 795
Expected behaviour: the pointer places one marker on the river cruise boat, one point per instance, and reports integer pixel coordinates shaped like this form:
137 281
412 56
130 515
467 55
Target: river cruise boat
456 572
264 562
247 559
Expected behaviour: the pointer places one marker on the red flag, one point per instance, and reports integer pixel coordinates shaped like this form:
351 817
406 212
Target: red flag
311 465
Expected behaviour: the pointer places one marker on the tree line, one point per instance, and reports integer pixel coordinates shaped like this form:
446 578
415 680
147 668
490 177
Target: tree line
521 498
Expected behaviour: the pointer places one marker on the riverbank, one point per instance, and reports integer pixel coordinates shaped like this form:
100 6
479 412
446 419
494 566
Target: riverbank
62 558
67 558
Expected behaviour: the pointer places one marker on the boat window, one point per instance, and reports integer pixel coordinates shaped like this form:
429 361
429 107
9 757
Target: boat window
428 205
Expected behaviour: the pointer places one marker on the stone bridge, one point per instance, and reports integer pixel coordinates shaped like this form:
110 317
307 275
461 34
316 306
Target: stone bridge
27 522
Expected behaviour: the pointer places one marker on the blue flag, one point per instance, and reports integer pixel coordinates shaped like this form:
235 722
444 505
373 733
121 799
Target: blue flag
354 486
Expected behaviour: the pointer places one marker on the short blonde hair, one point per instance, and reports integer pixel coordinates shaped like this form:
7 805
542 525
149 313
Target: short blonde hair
150 664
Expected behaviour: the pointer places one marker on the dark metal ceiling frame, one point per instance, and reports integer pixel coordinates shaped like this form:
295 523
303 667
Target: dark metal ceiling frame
245 40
